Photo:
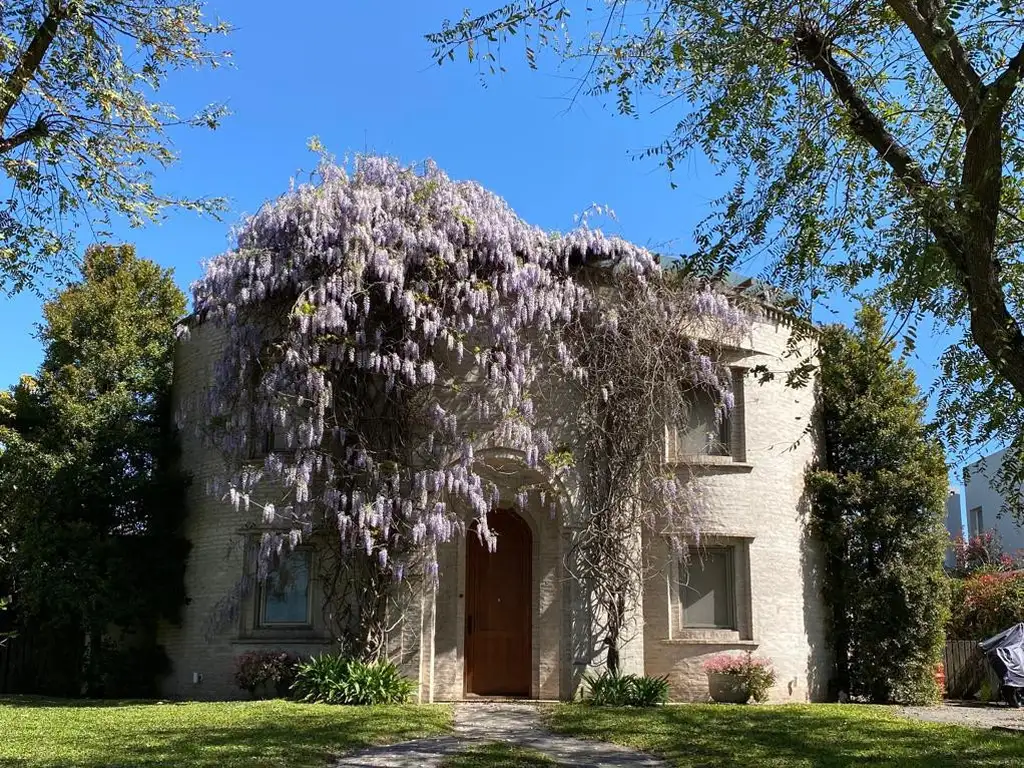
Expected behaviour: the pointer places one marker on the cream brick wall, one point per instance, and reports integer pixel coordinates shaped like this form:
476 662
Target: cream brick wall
760 501
763 504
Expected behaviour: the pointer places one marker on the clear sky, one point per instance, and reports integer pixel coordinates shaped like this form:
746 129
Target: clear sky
360 76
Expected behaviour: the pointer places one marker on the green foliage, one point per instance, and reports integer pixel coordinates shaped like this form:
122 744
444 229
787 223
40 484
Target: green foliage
90 498
878 509
984 604
338 679
615 690
789 736
257 671
870 147
80 129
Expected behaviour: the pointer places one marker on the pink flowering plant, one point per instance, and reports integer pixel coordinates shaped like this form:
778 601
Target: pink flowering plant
754 674
261 672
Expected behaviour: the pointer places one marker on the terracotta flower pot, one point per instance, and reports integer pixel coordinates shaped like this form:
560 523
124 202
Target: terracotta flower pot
727 689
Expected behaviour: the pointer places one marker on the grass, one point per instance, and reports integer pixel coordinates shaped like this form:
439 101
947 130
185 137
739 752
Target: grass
498 755
794 736
39 733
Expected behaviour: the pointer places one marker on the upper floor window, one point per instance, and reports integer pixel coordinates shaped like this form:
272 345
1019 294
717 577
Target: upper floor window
708 431
975 522
284 598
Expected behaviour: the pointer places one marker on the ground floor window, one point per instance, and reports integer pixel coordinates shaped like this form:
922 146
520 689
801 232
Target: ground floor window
707 595
284 598
709 591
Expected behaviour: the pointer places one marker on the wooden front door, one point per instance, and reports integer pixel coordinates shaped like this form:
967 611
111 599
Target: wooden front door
498 616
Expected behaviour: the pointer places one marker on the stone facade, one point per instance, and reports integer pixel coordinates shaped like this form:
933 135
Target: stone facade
759 512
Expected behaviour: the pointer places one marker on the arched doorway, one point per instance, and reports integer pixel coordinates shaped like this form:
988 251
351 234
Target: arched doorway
498 609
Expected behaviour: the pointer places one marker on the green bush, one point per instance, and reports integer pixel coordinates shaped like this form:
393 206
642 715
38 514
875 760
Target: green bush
337 679
986 603
608 690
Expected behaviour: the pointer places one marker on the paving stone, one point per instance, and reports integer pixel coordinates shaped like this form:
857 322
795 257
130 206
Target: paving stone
480 723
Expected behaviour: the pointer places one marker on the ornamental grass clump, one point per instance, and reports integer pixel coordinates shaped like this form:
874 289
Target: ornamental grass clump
753 675
337 679
614 690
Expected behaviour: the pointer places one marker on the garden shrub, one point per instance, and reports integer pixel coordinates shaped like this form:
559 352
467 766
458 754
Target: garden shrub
982 553
755 674
613 690
986 603
337 679
258 671
878 509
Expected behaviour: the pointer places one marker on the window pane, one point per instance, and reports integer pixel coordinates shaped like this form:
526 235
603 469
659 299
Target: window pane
286 592
704 433
706 590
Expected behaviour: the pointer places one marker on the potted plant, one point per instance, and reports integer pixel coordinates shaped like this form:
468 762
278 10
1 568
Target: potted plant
738 679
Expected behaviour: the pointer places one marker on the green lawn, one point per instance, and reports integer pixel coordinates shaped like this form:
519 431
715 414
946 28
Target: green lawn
815 736
499 755
36 733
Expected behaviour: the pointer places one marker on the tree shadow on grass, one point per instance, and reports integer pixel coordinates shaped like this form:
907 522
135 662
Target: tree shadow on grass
49 701
205 736
794 737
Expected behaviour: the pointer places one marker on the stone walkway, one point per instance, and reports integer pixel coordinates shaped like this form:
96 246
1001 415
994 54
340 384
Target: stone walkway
973 714
480 723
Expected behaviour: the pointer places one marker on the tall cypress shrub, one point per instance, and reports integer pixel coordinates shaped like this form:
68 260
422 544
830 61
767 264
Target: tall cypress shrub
878 509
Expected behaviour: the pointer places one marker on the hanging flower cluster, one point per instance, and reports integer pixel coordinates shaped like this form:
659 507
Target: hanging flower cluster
383 325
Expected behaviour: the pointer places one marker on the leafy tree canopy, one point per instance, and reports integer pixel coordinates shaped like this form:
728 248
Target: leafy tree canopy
89 500
863 140
80 130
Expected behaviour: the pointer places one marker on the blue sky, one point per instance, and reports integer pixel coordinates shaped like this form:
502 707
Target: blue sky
359 75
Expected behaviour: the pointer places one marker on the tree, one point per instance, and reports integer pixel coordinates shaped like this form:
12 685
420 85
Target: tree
80 131
864 140
90 497
878 505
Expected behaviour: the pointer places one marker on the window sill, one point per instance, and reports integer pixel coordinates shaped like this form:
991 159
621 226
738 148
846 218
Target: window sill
711 641
280 636
715 462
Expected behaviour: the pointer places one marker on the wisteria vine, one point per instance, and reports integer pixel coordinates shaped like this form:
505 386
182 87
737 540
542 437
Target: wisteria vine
384 324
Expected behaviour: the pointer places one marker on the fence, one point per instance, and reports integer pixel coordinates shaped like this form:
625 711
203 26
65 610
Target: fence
967 669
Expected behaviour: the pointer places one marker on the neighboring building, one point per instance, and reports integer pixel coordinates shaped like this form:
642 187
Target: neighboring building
512 623
984 504
954 523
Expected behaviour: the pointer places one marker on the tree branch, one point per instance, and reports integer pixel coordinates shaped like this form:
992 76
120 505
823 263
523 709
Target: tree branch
1002 88
943 49
815 50
970 247
31 59
35 131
